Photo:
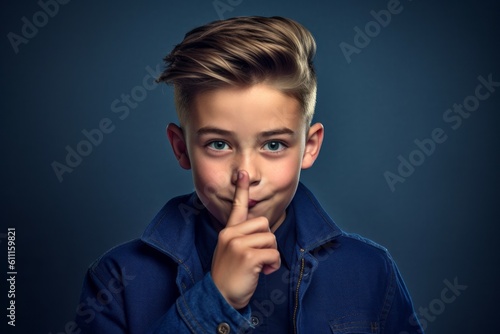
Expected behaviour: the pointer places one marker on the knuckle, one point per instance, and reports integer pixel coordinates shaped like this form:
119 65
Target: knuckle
277 255
238 205
269 238
234 244
263 222
224 236
248 256
273 240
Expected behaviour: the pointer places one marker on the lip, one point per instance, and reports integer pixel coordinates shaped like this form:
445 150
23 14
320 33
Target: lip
252 203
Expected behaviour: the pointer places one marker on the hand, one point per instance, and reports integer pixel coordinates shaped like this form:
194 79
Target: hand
245 248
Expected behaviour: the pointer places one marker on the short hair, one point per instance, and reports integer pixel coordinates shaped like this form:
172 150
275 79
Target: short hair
241 52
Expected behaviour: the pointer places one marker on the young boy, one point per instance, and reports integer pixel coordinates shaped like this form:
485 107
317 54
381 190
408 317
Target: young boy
251 250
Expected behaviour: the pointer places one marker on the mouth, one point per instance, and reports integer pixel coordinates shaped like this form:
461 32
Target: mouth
251 202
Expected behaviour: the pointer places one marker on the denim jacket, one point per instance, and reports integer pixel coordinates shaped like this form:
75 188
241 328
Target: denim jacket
340 283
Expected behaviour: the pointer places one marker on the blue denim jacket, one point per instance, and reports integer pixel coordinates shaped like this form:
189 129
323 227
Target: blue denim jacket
339 283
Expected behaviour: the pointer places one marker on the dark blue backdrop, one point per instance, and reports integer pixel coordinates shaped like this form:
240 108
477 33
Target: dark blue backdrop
68 70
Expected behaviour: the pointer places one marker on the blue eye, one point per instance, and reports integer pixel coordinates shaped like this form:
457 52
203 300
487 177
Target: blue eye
274 146
218 145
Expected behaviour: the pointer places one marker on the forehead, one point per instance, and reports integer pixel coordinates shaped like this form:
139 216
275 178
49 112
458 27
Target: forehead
259 107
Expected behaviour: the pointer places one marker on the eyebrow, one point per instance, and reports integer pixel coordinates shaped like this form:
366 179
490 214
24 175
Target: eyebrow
212 130
265 134
275 132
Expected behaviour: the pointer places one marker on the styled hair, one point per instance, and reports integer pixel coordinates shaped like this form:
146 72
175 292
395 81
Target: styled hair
241 52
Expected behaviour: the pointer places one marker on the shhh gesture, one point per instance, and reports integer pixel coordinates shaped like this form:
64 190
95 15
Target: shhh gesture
245 248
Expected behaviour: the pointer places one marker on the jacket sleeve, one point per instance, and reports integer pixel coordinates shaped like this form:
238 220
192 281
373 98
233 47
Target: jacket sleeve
200 309
101 307
400 315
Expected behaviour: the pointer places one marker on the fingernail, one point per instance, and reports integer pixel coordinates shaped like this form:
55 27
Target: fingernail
240 175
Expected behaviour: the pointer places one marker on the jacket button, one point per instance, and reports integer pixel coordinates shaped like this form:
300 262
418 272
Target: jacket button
223 328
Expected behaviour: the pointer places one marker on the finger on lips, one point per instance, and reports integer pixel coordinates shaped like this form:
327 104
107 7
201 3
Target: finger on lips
239 211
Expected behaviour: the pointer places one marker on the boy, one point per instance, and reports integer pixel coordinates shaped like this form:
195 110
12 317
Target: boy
251 251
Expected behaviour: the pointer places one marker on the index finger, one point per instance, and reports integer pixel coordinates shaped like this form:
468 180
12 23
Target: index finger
239 211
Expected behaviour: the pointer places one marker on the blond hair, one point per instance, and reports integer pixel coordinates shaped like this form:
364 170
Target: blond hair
240 52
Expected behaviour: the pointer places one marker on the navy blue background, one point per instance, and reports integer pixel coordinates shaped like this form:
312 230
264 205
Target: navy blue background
439 224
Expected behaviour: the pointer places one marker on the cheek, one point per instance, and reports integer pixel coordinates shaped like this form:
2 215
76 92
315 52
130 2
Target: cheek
285 175
209 179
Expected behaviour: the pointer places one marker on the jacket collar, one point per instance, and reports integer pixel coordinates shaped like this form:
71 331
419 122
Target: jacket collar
172 230
314 227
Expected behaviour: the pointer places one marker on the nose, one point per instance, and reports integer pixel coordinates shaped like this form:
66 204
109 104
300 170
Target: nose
250 164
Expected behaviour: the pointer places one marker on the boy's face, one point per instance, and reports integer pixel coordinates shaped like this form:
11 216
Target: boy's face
257 129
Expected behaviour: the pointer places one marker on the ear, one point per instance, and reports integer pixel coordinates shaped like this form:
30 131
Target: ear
313 145
176 138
